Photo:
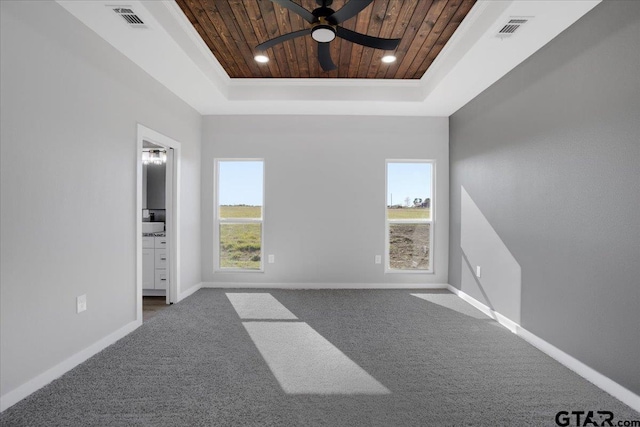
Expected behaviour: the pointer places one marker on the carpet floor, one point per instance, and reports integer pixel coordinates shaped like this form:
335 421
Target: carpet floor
440 362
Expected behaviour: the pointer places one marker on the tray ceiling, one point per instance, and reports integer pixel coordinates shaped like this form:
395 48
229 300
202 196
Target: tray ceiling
170 49
232 28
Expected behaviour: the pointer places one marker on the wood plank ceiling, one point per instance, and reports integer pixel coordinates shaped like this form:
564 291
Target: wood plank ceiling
233 28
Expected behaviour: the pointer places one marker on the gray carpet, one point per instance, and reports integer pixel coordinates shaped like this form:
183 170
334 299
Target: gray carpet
194 364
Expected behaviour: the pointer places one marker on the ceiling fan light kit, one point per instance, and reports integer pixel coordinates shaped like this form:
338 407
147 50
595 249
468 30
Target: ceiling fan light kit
323 33
325 28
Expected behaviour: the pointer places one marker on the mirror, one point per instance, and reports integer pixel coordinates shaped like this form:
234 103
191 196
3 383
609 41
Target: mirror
153 186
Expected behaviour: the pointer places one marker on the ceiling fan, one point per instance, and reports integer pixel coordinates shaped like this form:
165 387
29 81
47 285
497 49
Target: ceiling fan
324 28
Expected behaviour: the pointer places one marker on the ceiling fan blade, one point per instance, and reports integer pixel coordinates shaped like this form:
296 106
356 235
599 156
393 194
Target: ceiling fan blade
324 57
365 40
349 10
274 41
296 8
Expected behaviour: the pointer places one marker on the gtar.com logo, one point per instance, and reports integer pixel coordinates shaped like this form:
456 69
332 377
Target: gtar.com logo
591 418
584 418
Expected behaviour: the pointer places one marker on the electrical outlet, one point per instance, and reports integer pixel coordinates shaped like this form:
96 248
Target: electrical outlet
378 259
272 259
81 303
478 271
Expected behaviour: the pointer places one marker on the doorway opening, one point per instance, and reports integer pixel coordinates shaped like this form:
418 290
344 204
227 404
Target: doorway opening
157 219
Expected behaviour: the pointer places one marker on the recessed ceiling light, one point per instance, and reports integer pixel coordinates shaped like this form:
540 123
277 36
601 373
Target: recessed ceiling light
388 59
261 58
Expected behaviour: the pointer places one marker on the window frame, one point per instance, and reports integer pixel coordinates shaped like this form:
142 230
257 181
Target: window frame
217 221
431 220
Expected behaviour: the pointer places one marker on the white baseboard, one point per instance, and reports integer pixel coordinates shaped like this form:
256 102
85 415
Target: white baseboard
189 291
154 292
14 396
504 321
621 393
235 285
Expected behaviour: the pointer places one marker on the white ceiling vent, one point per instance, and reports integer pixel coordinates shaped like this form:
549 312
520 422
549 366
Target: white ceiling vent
129 16
513 25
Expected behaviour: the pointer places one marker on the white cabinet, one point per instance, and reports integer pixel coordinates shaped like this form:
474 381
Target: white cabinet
160 242
154 263
148 242
161 279
160 258
148 268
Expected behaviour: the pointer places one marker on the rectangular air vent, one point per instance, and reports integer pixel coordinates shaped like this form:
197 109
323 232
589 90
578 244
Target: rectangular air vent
509 28
130 17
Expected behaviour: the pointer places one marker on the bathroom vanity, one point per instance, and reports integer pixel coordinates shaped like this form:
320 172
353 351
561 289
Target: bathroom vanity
155 277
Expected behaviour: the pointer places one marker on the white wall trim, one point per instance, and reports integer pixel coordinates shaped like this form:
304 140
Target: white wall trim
504 321
193 289
14 396
253 285
173 214
621 393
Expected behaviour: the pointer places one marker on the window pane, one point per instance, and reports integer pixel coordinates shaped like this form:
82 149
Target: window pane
409 246
240 245
240 189
409 190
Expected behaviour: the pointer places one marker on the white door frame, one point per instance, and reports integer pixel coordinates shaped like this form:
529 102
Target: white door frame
172 220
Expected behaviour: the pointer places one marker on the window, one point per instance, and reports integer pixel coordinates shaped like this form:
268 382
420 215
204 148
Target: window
409 216
239 213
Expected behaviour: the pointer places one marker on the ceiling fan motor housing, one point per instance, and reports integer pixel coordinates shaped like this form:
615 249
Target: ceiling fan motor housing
323 15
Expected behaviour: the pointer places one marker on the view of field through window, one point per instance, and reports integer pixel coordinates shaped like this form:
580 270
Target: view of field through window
240 245
409 215
240 214
240 201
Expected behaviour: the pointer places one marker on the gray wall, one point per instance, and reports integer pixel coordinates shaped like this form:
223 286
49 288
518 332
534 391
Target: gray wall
550 157
69 108
336 164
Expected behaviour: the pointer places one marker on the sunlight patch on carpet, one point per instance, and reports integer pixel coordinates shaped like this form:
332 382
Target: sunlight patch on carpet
259 306
304 362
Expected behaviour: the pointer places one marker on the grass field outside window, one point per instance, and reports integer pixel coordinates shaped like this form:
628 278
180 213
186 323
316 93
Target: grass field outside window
239 214
240 243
